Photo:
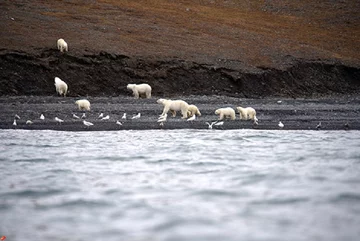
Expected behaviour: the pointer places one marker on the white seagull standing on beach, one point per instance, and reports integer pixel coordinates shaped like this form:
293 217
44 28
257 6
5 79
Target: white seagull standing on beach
17 117
118 123
281 125
58 120
29 122
136 116
14 123
75 116
42 117
124 116
83 116
106 118
220 123
87 123
101 115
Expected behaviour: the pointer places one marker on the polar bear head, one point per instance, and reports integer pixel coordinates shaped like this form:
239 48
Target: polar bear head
131 86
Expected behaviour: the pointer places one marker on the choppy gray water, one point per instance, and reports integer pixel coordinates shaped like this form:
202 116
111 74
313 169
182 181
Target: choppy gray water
180 185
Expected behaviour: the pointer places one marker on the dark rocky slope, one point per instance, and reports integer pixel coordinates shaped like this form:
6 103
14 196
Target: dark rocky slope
107 74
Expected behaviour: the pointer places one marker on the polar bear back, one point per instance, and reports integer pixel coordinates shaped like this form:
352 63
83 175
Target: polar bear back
246 113
174 105
61 86
140 89
226 112
83 104
178 105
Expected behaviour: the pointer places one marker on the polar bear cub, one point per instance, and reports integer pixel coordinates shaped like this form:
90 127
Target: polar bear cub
83 104
61 86
173 106
247 113
227 112
140 89
193 110
62 45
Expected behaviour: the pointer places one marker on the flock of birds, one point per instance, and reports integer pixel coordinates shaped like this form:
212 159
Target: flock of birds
161 120
86 123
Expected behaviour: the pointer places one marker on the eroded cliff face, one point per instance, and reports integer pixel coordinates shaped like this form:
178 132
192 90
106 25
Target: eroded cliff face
238 48
108 74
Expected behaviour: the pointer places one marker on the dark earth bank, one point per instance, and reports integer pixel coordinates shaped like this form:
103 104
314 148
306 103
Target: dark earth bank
107 74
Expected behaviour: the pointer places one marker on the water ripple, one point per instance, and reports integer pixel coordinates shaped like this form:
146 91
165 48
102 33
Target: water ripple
180 185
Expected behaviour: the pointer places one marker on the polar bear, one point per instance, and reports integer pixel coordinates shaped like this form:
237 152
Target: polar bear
83 104
173 106
140 89
193 110
227 112
247 113
61 86
62 45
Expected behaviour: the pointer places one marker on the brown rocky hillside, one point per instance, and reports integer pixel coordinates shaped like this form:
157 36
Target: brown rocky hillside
242 48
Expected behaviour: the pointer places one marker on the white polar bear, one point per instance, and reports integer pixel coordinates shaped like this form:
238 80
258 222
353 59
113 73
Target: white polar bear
193 110
83 104
61 86
227 112
140 89
62 45
247 113
173 106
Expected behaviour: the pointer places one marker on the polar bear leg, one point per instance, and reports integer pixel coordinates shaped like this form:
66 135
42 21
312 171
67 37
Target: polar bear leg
221 116
166 110
173 113
148 94
136 94
189 114
184 113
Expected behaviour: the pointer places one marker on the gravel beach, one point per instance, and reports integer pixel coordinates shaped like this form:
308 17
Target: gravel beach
337 113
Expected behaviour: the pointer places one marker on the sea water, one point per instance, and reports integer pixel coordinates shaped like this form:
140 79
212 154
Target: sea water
180 185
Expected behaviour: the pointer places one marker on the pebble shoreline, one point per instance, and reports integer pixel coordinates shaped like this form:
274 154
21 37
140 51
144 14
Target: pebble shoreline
338 113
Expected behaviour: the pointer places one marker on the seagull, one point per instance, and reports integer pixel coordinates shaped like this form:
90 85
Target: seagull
42 117
281 125
210 125
58 120
220 123
256 121
17 117
29 122
83 116
101 115
75 116
162 119
124 116
14 123
118 123
136 116
106 118
279 101
87 123
318 125
192 118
